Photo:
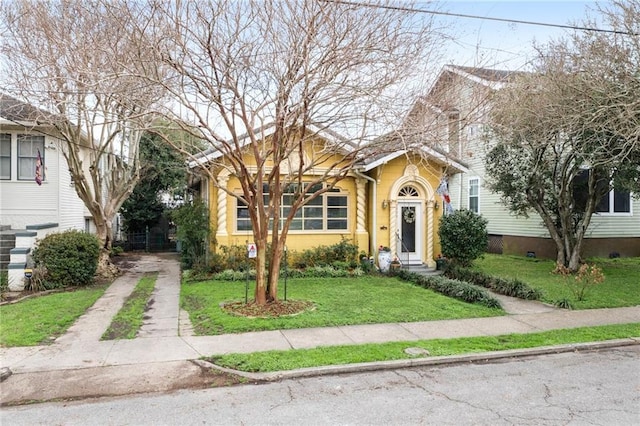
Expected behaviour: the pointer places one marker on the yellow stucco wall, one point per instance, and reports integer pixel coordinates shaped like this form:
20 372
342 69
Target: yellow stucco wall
425 175
387 175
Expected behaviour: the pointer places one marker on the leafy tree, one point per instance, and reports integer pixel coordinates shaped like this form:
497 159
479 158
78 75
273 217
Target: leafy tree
568 134
163 172
463 236
193 232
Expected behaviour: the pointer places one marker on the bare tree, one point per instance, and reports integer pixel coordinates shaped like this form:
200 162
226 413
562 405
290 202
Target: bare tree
569 133
267 78
82 61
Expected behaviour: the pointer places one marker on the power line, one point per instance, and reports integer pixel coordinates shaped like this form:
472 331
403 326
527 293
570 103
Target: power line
485 18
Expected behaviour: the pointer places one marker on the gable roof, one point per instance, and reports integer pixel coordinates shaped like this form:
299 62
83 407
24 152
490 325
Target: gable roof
19 112
492 78
264 132
370 162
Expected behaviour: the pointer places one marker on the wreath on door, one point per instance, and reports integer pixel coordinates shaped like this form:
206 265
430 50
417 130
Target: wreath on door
409 215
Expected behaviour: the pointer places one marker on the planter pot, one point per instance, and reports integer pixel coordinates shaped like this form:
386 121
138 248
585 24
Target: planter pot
441 264
384 261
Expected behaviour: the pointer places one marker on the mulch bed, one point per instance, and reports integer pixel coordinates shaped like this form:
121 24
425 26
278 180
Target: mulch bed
276 309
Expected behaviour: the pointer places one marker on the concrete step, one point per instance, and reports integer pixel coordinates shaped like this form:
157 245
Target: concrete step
422 270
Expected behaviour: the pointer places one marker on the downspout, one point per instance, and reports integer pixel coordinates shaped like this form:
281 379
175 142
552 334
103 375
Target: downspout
374 216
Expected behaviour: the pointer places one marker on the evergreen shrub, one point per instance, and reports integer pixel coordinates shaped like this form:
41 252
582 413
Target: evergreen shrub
463 236
70 258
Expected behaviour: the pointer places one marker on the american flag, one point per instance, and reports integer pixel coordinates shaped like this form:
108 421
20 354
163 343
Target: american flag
39 169
443 191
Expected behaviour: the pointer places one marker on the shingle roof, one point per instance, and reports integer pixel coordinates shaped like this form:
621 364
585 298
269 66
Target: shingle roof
489 74
12 109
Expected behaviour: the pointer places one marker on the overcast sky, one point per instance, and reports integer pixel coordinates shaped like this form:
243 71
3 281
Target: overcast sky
505 45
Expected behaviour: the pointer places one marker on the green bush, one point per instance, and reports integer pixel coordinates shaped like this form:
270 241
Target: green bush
463 236
70 258
192 230
508 287
344 253
453 288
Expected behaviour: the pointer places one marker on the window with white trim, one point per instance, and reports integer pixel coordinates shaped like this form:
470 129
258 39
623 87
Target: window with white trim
28 147
615 202
327 212
474 195
5 156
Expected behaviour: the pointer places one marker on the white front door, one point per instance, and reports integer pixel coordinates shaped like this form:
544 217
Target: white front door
409 232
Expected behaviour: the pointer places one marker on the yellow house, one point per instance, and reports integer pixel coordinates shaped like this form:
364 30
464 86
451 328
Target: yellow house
386 199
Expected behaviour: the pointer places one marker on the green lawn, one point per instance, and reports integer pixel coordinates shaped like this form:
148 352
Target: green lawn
620 288
41 319
349 354
338 301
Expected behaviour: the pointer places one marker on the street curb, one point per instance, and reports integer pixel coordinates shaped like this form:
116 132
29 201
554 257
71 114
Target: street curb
484 357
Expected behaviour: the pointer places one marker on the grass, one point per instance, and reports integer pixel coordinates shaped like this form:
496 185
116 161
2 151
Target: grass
269 361
41 319
126 323
620 288
338 301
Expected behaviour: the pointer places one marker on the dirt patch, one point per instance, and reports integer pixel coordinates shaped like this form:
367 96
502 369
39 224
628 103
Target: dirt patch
125 261
270 310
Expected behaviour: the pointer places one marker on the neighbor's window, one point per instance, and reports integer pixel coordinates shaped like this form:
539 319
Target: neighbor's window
615 202
474 195
28 146
324 213
5 156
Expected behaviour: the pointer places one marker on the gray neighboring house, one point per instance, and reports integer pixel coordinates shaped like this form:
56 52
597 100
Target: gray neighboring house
28 210
458 104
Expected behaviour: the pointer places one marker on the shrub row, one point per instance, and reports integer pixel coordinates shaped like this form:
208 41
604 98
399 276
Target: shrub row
342 255
453 288
313 272
508 287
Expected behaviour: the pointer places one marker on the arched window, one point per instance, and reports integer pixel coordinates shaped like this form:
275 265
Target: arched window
408 191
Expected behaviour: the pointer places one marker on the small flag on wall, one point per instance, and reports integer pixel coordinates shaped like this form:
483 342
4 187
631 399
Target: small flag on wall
39 169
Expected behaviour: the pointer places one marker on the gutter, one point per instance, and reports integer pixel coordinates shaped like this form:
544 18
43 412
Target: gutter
374 216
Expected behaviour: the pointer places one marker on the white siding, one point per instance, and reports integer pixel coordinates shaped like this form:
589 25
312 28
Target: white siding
72 210
23 202
500 220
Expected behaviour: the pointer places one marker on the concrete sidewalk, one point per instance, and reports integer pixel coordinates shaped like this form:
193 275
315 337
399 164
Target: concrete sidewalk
165 340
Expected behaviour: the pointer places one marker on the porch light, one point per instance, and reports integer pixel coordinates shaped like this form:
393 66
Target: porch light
435 205
385 204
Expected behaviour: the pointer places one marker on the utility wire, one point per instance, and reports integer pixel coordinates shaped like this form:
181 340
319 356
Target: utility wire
484 18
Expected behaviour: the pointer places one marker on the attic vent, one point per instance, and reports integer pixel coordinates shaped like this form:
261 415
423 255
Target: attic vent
408 191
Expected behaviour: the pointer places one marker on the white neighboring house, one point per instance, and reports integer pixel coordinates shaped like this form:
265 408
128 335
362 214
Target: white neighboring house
459 101
28 210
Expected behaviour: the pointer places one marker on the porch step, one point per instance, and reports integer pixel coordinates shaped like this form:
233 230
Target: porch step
421 269
7 243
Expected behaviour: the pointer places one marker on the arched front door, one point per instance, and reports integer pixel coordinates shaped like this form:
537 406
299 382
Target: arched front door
411 218
410 231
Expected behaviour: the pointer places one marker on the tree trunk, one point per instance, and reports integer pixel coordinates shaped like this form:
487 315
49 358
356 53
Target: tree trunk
274 270
261 270
105 269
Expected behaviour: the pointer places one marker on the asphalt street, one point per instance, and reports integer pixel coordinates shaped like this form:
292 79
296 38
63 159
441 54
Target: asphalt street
595 388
